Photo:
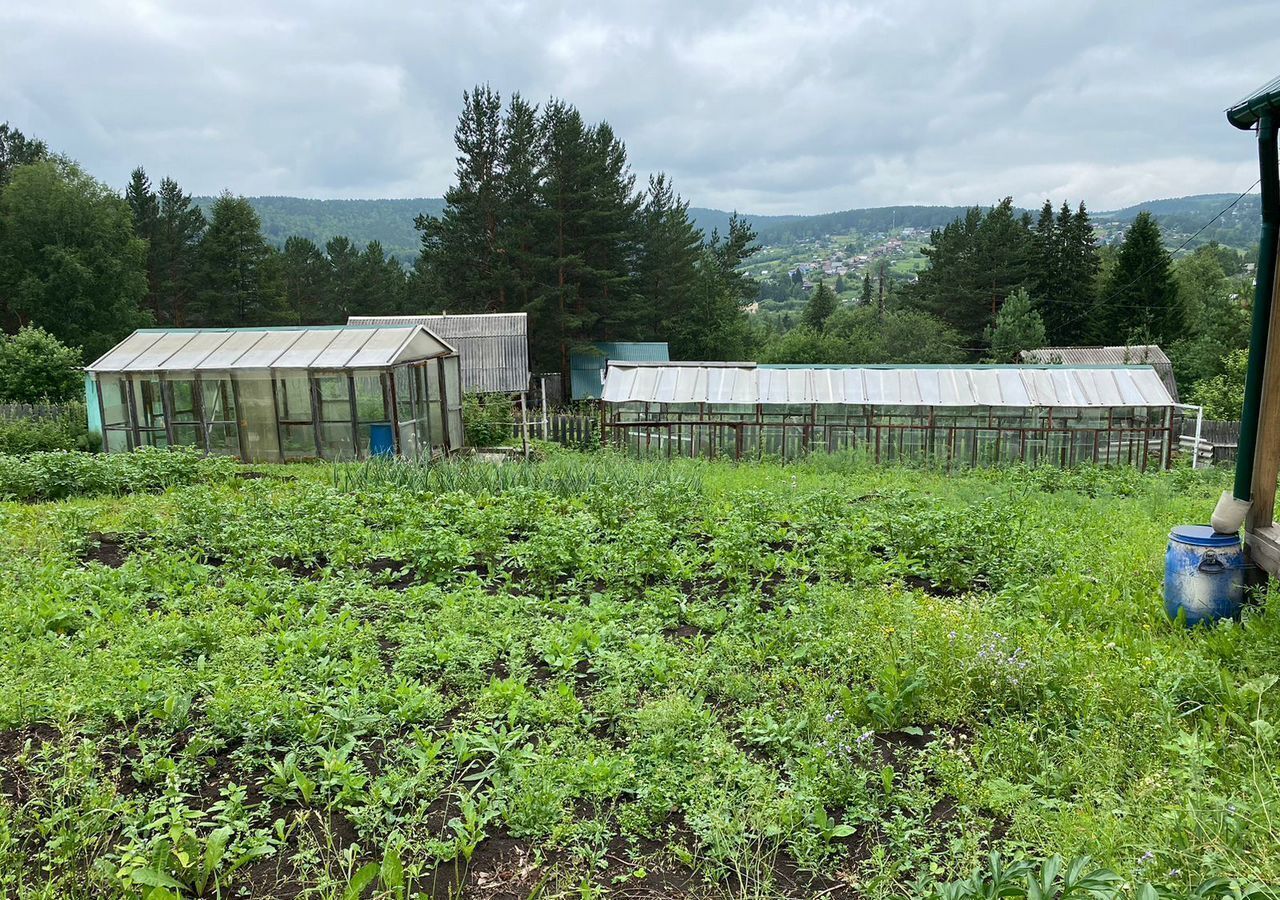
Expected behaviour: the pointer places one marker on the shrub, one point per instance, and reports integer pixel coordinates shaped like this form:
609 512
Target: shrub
65 429
60 474
36 367
487 420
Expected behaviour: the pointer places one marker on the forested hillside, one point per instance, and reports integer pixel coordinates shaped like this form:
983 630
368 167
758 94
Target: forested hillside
390 222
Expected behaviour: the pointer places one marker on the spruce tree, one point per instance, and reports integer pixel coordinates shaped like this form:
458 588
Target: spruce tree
867 294
174 254
343 288
145 207
143 203
380 282
1141 295
716 326
1068 312
305 273
1018 326
462 245
822 303
667 274
232 286
519 211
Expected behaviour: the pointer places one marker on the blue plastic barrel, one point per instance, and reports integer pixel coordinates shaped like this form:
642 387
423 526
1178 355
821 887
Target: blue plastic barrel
380 440
1203 574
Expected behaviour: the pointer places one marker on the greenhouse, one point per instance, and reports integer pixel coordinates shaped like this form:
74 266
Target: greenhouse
964 416
278 394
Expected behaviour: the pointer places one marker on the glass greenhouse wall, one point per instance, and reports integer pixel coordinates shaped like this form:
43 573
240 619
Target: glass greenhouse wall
273 395
949 416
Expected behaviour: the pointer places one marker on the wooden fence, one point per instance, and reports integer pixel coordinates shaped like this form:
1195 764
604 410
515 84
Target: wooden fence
1218 439
569 429
11 412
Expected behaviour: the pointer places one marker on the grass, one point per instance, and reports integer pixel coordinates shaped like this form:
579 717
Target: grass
595 677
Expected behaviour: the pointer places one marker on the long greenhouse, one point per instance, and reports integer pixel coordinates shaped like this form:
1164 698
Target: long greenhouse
947 415
278 394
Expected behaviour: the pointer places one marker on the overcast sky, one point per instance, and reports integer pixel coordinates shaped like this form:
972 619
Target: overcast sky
767 107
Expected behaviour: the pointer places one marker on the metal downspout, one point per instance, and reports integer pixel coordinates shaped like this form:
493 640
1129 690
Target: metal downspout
1261 307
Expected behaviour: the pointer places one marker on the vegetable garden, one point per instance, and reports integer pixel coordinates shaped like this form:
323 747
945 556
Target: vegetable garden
596 677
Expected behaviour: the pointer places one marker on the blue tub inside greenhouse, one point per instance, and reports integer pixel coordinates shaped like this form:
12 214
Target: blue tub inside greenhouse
1203 574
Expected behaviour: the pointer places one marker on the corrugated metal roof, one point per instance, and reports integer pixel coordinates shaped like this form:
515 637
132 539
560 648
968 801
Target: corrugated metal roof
1137 354
493 348
586 367
216 349
994 386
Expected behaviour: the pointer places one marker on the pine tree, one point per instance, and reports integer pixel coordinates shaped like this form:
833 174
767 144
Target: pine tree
1141 295
822 303
865 297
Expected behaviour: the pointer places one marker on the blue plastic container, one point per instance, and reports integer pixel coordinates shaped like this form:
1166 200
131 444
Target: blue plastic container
381 442
1203 574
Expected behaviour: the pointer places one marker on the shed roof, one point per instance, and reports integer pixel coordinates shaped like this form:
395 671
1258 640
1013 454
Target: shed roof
1136 354
219 349
993 386
586 365
493 348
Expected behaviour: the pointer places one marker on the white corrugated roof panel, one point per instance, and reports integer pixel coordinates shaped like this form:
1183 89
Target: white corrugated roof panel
383 344
230 350
302 352
221 349
991 386
123 353
267 349
195 349
154 356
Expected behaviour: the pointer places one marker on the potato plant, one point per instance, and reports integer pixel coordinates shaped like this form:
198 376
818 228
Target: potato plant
595 677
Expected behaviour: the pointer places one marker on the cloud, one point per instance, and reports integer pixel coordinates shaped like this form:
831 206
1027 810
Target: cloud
768 107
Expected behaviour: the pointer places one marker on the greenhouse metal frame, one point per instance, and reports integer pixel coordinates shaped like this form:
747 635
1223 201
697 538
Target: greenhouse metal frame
965 416
280 394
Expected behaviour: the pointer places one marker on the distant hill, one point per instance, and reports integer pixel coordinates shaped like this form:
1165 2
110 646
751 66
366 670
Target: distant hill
391 221
1181 217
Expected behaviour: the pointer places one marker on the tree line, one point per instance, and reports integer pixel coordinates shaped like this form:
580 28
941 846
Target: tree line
545 217
998 282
